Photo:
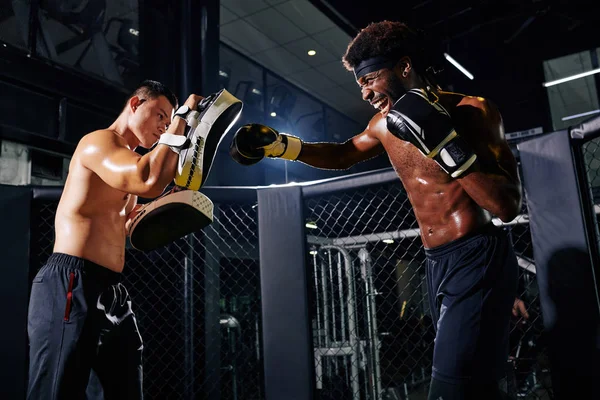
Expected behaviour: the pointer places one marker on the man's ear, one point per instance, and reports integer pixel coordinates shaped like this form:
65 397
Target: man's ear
134 103
403 66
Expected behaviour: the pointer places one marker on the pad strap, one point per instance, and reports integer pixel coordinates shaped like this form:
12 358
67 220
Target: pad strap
193 119
175 142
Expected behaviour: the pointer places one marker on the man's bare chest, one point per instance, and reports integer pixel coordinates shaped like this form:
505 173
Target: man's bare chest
411 164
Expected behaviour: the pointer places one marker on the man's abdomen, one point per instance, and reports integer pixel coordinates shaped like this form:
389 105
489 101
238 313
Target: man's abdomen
100 241
446 213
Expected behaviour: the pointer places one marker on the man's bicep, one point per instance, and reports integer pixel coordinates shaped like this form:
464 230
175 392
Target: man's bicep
364 146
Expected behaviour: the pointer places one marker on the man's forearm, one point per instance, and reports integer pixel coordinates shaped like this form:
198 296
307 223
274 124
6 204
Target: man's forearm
494 191
330 156
161 162
320 155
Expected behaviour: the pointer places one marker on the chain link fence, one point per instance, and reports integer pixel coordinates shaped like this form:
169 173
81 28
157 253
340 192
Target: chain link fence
528 365
197 303
591 155
373 336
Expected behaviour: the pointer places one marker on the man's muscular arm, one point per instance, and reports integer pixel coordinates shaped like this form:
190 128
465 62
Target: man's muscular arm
341 156
251 143
105 153
493 182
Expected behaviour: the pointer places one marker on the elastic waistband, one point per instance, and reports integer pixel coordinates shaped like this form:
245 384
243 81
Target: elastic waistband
487 229
96 270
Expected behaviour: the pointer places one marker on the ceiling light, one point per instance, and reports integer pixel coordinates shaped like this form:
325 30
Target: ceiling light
572 77
458 66
273 114
580 115
312 52
388 241
311 225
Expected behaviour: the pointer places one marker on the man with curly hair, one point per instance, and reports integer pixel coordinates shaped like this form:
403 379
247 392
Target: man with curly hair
449 151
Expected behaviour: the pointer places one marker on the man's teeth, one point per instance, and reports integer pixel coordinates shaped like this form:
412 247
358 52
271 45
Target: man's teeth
379 103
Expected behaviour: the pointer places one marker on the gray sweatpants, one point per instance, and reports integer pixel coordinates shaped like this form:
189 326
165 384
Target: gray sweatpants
82 330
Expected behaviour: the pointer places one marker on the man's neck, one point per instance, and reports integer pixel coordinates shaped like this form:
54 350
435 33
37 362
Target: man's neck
121 128
415 82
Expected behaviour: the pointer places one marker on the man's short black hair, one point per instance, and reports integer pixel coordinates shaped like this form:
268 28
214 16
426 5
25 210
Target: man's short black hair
150 89
384 39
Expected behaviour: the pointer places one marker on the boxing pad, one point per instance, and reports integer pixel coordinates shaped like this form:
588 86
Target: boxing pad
169 218
184 211
205 128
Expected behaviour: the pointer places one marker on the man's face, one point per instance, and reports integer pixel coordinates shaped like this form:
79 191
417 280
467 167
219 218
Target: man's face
150 119
381 89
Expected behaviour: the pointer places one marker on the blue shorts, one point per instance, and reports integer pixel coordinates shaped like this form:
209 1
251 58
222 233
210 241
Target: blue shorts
472 284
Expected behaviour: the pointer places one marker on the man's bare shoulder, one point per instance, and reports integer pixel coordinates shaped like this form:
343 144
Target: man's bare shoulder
97 145
477 116
102 139
102 136
377 125
485 106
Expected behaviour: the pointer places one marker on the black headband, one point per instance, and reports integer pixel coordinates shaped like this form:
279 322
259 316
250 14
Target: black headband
373 64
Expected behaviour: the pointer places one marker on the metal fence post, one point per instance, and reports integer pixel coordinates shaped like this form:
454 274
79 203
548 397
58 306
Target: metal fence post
212 330
188 318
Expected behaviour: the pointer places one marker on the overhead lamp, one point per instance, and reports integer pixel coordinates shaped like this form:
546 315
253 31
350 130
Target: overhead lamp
312 52
311 225
458 66
585 114
273 114
571 78
388 241
313 252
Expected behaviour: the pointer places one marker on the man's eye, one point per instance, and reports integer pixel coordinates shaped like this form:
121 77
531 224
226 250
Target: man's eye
160 116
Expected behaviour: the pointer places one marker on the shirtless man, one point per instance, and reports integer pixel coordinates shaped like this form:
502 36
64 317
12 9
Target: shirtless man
471 267
80 316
